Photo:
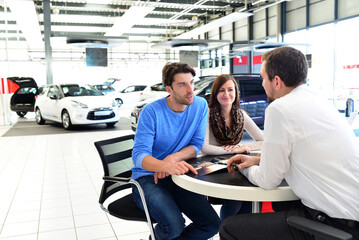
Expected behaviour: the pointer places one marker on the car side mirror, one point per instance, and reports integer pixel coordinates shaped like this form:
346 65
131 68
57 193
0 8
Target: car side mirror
54 97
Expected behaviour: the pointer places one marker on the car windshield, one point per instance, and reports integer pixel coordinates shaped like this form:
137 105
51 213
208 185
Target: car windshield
75 90
200 84
158 87
27 90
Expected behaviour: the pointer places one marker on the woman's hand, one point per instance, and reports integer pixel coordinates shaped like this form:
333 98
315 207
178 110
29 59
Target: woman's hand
237 148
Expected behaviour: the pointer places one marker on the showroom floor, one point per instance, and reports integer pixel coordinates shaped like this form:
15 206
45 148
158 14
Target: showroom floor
50 184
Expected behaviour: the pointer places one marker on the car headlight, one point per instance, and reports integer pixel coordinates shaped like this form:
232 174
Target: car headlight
114 103
76 104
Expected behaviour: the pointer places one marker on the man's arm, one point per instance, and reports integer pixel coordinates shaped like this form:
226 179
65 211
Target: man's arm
170 165
268 170
200 132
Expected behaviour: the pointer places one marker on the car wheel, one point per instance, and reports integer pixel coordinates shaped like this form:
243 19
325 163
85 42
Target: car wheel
38 117
111 124
21 114
119 101
66 121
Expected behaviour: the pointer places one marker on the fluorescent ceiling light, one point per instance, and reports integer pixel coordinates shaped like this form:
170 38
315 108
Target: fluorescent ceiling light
26 18
99 1
131 17
214 24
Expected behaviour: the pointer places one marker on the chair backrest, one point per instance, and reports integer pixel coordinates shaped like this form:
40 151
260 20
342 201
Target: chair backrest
116 157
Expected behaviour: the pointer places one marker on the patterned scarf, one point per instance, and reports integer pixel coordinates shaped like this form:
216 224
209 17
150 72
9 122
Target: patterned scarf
223 134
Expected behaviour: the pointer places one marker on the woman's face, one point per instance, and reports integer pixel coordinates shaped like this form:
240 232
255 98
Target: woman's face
226 94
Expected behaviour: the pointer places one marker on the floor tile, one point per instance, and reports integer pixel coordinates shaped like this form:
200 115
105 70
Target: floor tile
95 232
129 227
25 206
137 236
55 212
52 224
66 234
24 216
22 237
16 229
55 203
93 207
91 219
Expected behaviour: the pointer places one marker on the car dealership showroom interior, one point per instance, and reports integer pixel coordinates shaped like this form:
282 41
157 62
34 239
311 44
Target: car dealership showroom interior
76 72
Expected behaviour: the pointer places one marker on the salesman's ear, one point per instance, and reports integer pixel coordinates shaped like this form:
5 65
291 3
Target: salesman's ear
168 89
279 84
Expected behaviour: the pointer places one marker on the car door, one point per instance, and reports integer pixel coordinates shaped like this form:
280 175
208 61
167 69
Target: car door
52 104
130 95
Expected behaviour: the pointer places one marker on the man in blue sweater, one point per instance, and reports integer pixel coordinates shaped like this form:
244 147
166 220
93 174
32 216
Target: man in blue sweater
170 131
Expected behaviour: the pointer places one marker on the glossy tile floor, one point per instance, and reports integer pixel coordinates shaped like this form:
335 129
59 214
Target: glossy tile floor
50 186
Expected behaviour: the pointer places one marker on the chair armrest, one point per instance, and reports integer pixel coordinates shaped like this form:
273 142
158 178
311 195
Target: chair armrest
318 229
116 179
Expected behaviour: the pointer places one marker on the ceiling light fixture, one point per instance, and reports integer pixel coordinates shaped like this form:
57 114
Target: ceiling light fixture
124 23
214 24
26 18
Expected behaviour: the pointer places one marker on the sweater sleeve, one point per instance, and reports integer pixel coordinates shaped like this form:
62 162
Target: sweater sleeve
144 137
200 132
254 131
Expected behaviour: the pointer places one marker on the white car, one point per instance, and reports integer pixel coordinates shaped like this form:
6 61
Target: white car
74 104
129 95
155 91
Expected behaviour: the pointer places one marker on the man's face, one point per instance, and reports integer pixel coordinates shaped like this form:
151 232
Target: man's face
267 84
182 88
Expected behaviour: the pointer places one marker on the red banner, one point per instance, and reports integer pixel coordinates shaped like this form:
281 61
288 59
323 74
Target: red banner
240 60
351 66
257 59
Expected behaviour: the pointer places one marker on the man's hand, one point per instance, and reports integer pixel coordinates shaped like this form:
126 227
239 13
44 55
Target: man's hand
174 168
242 161
237 149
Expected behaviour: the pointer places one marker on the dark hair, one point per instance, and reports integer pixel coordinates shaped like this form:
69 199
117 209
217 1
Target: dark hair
217 84
171 69
288 63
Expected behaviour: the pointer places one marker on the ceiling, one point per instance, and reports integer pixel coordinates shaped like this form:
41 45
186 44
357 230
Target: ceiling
107 21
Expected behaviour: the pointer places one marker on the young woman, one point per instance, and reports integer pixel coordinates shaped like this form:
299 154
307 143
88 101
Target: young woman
225 126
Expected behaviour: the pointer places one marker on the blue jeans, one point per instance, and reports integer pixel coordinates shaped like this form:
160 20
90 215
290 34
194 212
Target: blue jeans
166 202
232 207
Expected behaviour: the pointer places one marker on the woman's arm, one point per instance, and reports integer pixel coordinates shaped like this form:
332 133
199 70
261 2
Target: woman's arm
254 131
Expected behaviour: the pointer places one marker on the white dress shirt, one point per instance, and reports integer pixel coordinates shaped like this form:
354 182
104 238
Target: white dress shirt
307 142
212 147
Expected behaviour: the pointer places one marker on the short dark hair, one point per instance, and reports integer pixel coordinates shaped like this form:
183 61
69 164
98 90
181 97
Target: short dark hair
171 69
288 63
217 84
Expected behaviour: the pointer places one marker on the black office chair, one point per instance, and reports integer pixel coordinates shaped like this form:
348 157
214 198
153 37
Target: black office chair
321 231
116 160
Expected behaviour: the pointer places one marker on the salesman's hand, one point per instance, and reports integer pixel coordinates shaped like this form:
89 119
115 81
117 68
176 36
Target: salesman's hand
174 168
242 161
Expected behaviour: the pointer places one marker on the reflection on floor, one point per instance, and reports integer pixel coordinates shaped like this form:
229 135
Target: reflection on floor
50 186
27 126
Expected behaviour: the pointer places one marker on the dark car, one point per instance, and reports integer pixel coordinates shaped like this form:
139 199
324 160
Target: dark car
23 99
253 98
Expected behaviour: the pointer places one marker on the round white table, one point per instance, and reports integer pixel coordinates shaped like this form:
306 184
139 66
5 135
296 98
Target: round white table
223 185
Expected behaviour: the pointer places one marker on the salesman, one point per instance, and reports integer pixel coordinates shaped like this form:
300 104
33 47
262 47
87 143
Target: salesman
307 143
